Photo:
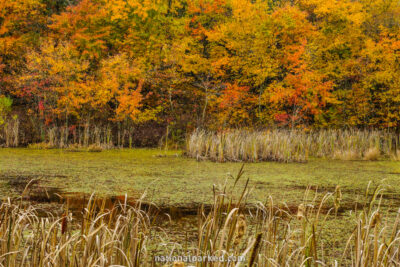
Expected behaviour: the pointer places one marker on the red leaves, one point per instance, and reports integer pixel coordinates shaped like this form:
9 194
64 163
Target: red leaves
282 118
233 95
203 16
41 105
303 90
235 105
84 25
239 62
48 120
206 7
129 104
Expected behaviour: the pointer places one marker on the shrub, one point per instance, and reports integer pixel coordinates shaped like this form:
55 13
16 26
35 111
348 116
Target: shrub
346 155
75 148
94 148
372 153
42 145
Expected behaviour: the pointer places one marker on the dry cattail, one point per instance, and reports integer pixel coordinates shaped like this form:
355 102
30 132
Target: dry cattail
178 264
253 254
338 198
301 211
375 219
64 224
241 227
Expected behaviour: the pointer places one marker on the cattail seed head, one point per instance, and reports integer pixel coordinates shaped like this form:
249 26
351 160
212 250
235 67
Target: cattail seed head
241 227
178 264
64 224
301 211
375 219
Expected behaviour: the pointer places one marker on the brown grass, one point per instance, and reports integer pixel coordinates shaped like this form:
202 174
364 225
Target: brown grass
286 145
372 154
346 155
94 148
42 145
125 235
395 155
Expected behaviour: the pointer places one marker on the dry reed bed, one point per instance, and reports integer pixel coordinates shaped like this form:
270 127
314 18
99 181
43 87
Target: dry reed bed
291 145
12 135
125 234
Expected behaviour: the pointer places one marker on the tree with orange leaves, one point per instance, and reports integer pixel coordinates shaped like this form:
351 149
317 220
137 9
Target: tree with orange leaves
203 63
235 107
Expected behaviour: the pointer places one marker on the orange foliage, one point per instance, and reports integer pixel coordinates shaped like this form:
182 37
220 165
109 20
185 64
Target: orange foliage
204 63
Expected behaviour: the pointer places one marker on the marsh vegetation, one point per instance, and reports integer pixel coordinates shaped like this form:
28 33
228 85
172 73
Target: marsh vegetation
285 145
264 233
306 213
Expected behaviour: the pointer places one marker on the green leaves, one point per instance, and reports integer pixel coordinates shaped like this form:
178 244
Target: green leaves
5 108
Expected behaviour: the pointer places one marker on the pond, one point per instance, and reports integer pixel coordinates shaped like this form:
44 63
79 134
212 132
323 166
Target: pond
177 186
169 179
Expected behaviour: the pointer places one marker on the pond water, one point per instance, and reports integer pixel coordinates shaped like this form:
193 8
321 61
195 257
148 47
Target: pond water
169 179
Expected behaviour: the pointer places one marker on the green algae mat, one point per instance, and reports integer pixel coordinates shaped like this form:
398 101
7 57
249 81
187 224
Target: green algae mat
168 178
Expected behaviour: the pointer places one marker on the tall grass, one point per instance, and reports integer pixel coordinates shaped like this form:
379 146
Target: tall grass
60 137
10 131
244 145
264 235
290 145
105 137
101 238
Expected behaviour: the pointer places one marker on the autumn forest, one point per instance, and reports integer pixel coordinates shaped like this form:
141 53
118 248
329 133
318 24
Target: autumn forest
145 66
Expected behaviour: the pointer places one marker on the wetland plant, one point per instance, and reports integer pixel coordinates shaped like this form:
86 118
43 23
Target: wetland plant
264 234
286 145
